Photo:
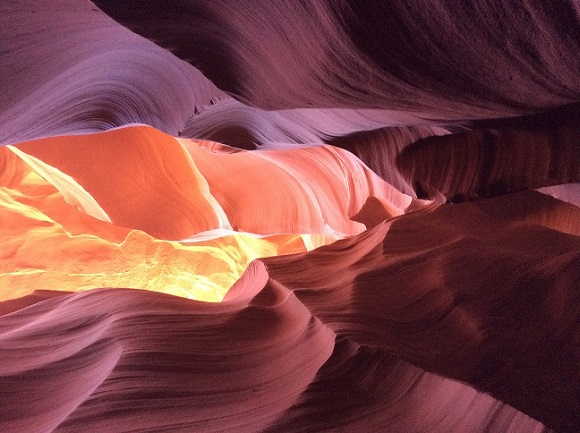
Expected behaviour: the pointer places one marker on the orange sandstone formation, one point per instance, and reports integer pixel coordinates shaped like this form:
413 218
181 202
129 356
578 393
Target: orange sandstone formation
91 211
349 303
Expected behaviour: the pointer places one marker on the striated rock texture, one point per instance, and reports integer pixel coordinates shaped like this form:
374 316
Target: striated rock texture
531 152
439 58
94 210
289 216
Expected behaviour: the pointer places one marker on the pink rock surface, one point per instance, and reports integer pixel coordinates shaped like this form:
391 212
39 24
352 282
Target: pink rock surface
459 313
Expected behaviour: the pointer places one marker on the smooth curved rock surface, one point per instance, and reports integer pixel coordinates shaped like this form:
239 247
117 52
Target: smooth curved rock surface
430 56
534 152
87 211
286 176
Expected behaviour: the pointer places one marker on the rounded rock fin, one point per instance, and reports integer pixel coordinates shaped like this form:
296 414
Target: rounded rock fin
72 191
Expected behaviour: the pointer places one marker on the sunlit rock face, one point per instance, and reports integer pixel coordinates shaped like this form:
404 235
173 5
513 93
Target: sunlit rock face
148 188
285 216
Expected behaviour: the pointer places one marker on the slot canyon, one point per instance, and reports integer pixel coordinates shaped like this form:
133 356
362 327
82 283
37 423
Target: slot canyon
290 216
